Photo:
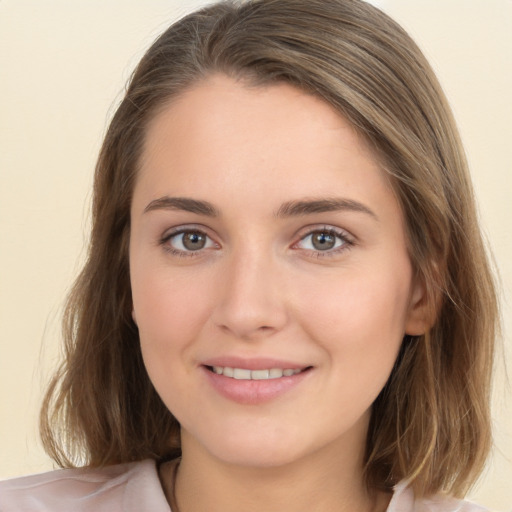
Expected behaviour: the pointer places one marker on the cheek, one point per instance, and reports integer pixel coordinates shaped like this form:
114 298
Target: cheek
168 307
359 319
169 313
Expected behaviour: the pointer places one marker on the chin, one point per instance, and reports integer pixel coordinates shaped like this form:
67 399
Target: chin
252 448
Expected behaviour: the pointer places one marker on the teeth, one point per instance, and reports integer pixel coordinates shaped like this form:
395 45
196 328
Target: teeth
228 372
245 374
260 374
240 374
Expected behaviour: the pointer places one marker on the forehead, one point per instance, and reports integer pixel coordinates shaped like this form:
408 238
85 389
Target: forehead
224 135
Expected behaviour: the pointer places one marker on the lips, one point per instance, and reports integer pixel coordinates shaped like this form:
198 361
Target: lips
251 363
253 381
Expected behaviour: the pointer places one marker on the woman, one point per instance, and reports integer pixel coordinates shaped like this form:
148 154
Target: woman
278 307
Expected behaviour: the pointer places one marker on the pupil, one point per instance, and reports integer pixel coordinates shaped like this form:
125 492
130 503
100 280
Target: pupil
323 241
194 241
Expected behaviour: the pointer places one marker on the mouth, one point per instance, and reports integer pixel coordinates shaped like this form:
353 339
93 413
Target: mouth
262 374
254 381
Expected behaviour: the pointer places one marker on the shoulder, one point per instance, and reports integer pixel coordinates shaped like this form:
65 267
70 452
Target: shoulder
404 501
124 487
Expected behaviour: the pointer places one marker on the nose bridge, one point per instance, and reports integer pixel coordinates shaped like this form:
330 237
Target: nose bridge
252 301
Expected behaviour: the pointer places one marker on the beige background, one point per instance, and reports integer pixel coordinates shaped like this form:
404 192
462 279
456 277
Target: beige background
63 63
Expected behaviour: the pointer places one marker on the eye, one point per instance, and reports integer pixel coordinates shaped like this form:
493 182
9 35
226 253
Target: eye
187 241
324 240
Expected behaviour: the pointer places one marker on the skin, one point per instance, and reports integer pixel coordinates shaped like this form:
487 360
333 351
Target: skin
261 288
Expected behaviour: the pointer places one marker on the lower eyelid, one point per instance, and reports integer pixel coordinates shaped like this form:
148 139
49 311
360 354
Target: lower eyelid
164 241
346 242
341 235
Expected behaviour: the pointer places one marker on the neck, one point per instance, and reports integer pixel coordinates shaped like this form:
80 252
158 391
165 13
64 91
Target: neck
323 481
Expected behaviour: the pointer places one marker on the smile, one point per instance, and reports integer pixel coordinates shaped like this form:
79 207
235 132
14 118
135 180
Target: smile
246 374
262 382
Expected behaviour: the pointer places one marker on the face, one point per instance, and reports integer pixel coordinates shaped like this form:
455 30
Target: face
271 281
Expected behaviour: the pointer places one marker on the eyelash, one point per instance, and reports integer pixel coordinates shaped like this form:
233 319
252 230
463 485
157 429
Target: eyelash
346 242
164 242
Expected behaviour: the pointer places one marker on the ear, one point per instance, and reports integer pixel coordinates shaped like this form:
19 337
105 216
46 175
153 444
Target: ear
421 314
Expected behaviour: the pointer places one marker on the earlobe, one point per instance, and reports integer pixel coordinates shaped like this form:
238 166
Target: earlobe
422 313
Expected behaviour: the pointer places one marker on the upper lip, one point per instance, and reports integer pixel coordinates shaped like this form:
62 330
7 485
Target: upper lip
259 363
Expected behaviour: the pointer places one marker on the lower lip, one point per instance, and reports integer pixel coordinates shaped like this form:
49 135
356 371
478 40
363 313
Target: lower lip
253 392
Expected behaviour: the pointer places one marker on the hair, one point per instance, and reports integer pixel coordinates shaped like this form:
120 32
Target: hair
431 422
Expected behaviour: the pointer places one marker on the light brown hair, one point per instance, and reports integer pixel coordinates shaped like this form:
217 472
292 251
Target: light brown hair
430 424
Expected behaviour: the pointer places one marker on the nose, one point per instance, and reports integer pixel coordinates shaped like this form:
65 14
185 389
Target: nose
252 298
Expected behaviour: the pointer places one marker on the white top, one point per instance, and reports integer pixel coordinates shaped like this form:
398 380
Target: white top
135 487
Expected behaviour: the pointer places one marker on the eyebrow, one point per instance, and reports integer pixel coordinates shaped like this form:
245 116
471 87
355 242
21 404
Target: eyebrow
288 209
308 207
183 203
